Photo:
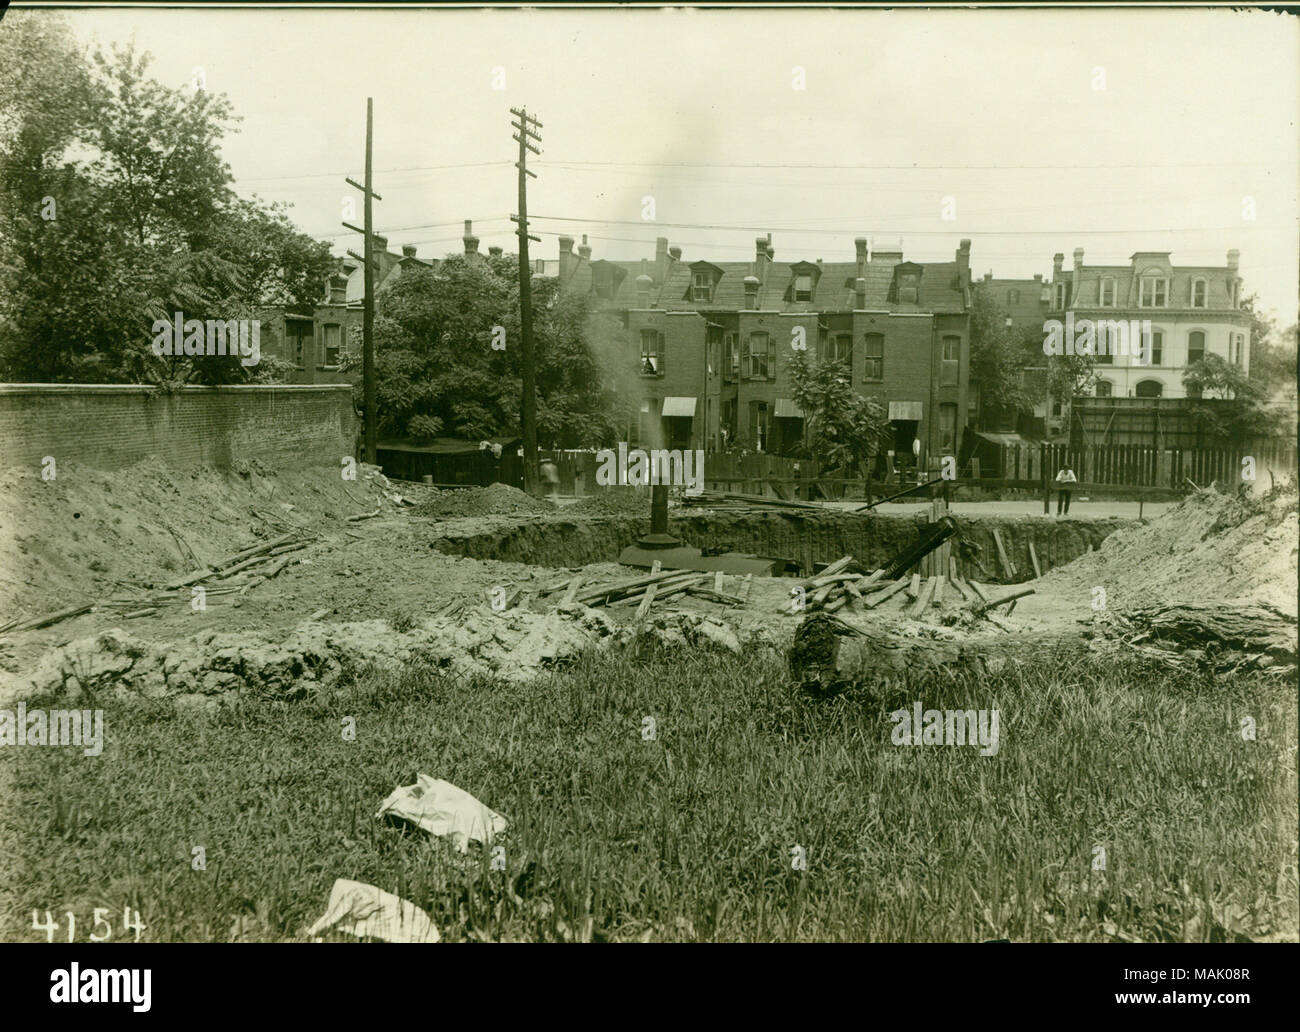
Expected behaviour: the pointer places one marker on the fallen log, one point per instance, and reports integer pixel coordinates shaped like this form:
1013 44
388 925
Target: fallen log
52 618
980 608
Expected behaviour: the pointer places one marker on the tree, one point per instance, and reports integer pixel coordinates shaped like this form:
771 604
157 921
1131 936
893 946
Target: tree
439 374
117 210
1239 412
843 429
998 357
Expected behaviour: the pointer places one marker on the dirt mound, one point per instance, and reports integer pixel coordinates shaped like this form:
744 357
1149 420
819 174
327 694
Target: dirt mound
613 502
88 533
494 500
1211 547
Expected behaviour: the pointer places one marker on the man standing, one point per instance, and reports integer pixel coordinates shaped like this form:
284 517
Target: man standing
1065 481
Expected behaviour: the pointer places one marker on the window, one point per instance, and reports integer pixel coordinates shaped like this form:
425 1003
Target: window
652 353
759 356
948 426
1013 297
1195 346
803 288
1155 292
1108 292
842 349
907 291
1056 406
1198 293
1058 296
759 421
1232 292
333 337
949 367
1157 347
1236 347
298 333
1104 388
702 287
874 349
1148 389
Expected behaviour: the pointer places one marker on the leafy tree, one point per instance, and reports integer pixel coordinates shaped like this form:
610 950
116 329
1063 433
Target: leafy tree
1239 411
116 210
843 428
998 357
437 373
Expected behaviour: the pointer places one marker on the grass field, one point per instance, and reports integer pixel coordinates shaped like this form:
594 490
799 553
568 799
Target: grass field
690 835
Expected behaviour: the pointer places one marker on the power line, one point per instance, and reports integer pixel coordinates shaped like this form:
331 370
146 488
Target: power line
378 171
913 166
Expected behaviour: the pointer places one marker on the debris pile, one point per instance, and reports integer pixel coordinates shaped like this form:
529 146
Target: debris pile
494 500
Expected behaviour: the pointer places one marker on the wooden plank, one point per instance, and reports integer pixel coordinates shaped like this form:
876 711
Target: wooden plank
646 601
829 571
1007 568
572 589
717 580
744 588
924 599
1038 573
939 583
978 590
885 595
914 587
956 583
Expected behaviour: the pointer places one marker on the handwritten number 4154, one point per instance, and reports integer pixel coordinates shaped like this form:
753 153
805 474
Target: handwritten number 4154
50 926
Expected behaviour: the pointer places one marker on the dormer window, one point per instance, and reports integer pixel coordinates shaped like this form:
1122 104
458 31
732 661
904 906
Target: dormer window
803 288
1108 293
1058 296
1155 292
907 290
1198 293
702 287
1013 297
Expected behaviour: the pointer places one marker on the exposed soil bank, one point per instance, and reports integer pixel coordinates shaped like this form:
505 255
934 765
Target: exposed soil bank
872 539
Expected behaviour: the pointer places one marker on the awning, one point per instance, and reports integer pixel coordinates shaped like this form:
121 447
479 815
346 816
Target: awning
901 410
679 407
787 409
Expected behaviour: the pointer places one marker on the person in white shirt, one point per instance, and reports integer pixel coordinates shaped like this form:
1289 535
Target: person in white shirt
1065 480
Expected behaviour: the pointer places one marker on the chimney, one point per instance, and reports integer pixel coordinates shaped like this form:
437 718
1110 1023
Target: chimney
1234 257
675 253
471 241
408 250
584 249
988 277
760 259
860 246
567 257
1074 272
381 242
643 285
1058 260
1038 277
495 252
860 293
963 264
661 259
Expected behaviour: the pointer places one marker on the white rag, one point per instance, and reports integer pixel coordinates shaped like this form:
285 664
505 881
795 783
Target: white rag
367 911
440 808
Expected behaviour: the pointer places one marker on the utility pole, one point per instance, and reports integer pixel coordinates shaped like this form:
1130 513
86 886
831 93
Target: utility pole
368 271
525 133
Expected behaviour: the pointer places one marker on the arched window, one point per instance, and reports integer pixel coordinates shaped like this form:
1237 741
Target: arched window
1104 388
1148 389
1108 292
1195 346
1198 293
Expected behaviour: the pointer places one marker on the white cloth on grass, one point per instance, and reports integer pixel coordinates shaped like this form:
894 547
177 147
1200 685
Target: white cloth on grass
440 808
370 912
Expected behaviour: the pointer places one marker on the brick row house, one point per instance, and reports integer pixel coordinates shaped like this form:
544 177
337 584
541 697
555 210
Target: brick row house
712 342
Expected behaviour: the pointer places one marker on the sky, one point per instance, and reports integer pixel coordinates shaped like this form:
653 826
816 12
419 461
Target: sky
1040 131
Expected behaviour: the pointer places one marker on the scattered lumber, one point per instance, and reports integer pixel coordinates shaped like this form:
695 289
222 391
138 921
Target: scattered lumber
364 516
923 599
939 582
572 589
37 623
914 587
978 590
885 595
985 605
